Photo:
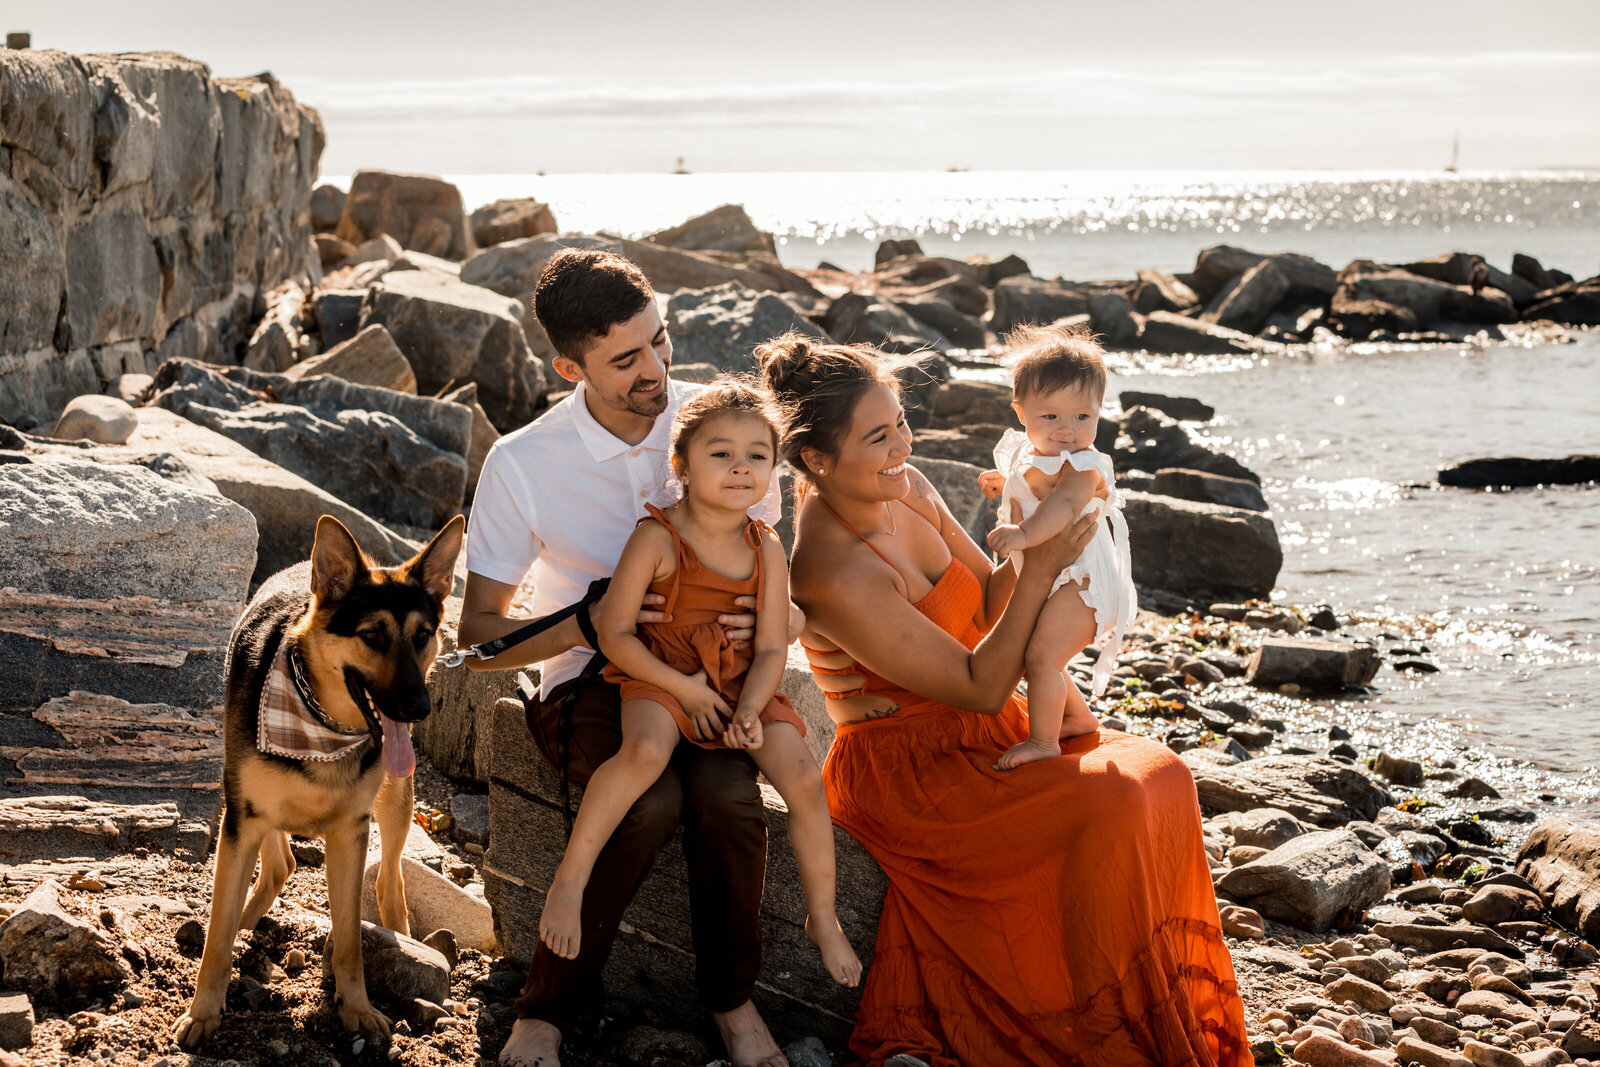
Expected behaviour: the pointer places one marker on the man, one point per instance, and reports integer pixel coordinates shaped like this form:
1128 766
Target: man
561 496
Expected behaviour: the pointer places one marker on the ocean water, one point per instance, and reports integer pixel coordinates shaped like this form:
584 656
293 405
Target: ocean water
1503 589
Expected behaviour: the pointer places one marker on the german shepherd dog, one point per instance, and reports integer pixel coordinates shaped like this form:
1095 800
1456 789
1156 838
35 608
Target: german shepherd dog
360 639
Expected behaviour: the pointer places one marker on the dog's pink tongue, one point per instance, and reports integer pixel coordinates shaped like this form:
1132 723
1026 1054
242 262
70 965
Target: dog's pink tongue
399 758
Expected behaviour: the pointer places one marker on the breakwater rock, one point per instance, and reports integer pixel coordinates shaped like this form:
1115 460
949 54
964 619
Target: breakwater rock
146 209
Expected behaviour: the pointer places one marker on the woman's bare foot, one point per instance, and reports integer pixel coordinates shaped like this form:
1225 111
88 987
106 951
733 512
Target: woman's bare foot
749 1042
837 955
533 1043
561 922
1027 751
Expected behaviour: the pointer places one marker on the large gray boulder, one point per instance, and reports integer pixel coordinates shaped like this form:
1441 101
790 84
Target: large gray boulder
389 454
1247 305
508 220
1167 333
1209 488
420 211
859 318
1026 299
512 268
1561 859
1572 303
1189 546
369 358
1312 664
286 506
86 530
454 332
1151 441
1316 789
1464 268
1310 881
1433 302
1309 280
723 325
963 330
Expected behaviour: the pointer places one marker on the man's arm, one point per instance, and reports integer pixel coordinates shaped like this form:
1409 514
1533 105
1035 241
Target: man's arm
485 615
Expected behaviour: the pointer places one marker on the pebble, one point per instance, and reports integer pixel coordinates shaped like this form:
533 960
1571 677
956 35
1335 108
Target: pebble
1240 921
1352 990
1414 1050
190 934
1365 967
1325 1050
1436 1032
807 1052
1486 1055
294 960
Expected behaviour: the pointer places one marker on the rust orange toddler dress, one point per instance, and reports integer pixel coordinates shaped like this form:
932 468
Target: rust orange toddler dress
1059 913
694 641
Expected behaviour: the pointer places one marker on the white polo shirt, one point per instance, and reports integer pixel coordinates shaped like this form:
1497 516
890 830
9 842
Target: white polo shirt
562 495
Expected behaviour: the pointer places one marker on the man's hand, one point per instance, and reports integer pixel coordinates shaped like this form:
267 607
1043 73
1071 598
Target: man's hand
708 711
991 482
1007 539
741 628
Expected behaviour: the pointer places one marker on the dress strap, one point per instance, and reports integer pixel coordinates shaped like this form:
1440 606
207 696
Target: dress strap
754 535
679 558
853 530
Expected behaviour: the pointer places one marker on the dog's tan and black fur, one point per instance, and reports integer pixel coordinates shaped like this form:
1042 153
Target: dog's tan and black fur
367 637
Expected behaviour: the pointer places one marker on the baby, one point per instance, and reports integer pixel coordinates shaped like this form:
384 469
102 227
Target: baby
1058 382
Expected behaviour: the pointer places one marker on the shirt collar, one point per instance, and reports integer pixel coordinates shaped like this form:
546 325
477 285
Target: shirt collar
603 444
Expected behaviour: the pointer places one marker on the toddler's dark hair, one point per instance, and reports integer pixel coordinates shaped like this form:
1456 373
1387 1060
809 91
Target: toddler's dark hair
1045 359
725 394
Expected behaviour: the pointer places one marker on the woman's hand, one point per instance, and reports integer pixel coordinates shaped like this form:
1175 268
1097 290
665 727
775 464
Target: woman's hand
1055 554
708 711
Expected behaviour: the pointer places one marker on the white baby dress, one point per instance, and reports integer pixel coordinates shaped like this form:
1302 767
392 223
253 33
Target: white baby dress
1106 562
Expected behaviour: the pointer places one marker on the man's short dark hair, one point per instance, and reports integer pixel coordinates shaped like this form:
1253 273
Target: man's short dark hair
583 293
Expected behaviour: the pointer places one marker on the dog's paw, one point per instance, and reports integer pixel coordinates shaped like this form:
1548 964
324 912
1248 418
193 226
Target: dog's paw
363 1017
193 1028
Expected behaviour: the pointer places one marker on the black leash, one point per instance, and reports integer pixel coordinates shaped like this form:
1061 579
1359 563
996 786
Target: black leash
591 671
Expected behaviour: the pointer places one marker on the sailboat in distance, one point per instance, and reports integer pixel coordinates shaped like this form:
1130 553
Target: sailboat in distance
1455 155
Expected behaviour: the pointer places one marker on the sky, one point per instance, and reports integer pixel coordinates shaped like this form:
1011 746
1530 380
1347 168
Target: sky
488 87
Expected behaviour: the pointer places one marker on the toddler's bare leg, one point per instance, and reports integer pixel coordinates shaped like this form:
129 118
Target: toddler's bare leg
788 764
649 734
1056 709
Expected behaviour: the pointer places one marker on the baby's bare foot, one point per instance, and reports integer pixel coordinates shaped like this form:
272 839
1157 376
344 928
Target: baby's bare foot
837 955
561 923
1028 751
1077 723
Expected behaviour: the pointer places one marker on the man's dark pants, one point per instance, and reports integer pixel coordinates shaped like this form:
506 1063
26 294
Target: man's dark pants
714 796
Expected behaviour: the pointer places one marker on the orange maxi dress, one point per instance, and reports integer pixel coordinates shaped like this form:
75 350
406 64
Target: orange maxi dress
1059 913
694 641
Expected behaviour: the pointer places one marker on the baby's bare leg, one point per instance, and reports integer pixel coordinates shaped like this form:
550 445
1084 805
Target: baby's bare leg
1056 709
788 764
649 734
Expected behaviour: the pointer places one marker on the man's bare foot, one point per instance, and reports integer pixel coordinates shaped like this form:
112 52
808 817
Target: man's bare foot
1027 751
749 1042
561 922
533 1043
837 955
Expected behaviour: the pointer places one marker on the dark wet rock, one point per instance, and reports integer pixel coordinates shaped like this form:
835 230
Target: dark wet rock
1561 860
962 330
1314 789
1185 545
1209 488
1178 407
860 318
1308 279
1246 304
991 272
1111 318
893 248
1165 332
1151 441
337 313
1516 472
1430 301
56 957
1464 268
1398 770
1473 788
1025 299
1572 303
1470 832
1312 664
1162 292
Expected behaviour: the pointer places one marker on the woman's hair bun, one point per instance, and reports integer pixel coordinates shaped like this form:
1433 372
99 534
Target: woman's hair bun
781 357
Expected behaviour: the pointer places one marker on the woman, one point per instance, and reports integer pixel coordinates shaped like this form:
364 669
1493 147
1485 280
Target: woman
1061 912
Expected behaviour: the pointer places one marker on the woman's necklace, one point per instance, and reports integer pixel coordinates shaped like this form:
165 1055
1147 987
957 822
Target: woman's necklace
888 510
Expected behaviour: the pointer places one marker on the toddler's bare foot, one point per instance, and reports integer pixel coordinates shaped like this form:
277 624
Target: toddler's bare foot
1028 751
1078 722
837 955
533 1043
561 922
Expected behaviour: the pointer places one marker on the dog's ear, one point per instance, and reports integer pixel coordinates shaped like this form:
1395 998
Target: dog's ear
337 562
434 567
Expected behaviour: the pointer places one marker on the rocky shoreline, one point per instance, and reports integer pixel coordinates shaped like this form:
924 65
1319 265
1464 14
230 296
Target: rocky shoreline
292 351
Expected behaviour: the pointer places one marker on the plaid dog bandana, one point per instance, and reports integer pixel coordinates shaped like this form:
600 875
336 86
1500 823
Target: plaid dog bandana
291 722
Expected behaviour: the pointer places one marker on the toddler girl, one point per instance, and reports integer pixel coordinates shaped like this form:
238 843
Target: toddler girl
682 677
1058 383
